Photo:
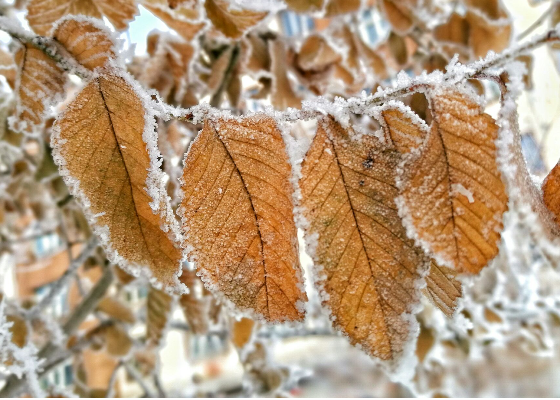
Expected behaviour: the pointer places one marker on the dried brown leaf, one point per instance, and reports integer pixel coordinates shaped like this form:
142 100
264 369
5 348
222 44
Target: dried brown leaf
39 85
194 308
399 14
443 289
242 331
316 54
18 329
108 165
116 309
486 34
282 96
452 193
43 14
118 341
551 192
305 6
231 22
187 29
89 42
370 267
455 30
158 306
238 216
338 7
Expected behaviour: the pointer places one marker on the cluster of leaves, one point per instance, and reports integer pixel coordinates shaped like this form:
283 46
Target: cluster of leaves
397 194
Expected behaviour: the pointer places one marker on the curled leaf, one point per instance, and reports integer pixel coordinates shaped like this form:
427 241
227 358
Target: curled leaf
369 266
194 308
105 147
88 41
452 196
238 218
158 306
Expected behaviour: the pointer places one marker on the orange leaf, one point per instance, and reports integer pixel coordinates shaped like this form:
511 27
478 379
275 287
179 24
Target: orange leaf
452 196
369 266
43 14
232 23
158 306
443 289
39 85
87 40
237 216
100 147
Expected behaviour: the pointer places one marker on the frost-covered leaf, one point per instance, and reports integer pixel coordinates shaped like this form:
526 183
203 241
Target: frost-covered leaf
43 14
452 196
305 6
442 288
40 83
238 218
158 309
400 14
232 22
8 67
116 309
88 41
105 146
369 268
194 307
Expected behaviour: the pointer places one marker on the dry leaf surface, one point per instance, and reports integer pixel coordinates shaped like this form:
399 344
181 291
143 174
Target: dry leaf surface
231 22
158 308
370 268
87 41
39 85
102 152
453 197
43 14
238 216
443 289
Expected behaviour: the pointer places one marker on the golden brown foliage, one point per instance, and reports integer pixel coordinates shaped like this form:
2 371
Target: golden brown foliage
90 45
43 14
194 308
237 215
39 84
158 307
231 22
100 143
452 189
369 266
443 289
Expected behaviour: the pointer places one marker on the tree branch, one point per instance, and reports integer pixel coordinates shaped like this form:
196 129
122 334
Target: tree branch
63 280
51 352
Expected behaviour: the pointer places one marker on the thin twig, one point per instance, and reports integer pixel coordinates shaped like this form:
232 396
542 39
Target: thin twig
53 353
537 23
134 374
111 388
